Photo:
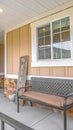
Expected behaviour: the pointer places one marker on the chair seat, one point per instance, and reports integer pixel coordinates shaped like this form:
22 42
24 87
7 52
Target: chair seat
48 98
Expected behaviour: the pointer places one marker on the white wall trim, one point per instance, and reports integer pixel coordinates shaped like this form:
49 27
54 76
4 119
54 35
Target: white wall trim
5 63
50 63
29 77
13 76
50 77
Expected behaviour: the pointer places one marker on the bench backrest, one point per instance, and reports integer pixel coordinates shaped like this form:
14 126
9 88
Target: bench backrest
60 87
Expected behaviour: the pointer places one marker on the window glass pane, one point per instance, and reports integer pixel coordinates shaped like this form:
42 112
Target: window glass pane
62 50
47 40
56 38
40 32
41 53
66 50
41 41
44 42
56 51
56 26
48 52
65 24
44 52
66 36
47 30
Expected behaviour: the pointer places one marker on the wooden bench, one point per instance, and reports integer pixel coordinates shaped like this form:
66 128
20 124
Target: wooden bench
55 93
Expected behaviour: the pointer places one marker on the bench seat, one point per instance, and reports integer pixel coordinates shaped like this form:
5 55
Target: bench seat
48 98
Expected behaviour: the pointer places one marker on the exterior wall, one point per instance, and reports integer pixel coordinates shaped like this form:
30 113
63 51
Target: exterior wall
18 43
1 58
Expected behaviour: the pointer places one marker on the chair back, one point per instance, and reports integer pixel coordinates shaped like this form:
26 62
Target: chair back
22 73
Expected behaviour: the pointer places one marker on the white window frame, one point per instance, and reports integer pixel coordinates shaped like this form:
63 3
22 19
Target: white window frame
45 63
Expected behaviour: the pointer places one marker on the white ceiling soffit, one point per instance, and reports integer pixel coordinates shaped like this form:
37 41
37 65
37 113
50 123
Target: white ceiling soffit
16 12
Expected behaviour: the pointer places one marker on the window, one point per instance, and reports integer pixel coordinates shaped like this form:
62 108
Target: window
44 42
53 40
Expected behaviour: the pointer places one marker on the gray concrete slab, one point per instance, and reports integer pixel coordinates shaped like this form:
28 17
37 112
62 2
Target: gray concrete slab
37 118
54 121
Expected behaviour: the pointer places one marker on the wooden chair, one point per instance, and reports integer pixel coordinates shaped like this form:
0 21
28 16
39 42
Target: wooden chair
22 75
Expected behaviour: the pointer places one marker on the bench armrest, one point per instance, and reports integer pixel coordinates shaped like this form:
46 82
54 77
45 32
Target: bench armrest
69 95
66 97
20 89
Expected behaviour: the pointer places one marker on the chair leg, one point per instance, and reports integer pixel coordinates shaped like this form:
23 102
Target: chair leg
65 120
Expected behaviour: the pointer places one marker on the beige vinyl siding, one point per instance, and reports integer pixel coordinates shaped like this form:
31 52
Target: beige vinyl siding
24 40
9 53
16 41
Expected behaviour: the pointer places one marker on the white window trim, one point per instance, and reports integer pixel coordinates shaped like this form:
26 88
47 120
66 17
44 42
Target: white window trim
42 63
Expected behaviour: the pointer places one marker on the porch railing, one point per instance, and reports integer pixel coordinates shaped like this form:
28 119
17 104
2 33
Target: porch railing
12 122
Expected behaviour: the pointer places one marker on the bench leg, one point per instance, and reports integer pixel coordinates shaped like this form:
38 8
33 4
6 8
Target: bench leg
2 125
31 103
65 120
17 104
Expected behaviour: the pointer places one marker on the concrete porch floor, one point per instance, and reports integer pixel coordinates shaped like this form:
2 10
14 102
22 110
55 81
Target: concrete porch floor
36 118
